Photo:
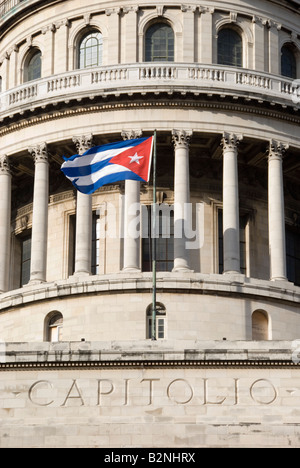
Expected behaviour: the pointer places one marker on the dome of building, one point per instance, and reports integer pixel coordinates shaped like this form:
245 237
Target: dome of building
219 85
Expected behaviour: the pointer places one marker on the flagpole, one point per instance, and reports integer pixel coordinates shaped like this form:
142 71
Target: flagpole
153 331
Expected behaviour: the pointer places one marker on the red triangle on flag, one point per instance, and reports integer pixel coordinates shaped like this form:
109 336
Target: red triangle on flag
137 159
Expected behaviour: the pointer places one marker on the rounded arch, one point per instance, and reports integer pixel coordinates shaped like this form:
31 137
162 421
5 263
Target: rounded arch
31 68
149 20
153 18
242 27
289 60
78 34
230 47
53 326
161 321
260 325
90 49
159 42
238 26
160 309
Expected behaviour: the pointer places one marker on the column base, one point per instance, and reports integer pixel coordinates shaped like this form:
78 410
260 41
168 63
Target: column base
33 282
280 278
182 270
81 273
232 272
131 270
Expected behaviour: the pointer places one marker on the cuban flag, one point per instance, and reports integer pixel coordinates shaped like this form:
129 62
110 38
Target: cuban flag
107 164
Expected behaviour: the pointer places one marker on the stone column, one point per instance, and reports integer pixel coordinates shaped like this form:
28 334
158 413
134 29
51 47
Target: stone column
5 221
49 51
130 38
277 241
274 53
84 218
231 224
39 236
259 43
188 32
181 140
113 40
206 35
132 238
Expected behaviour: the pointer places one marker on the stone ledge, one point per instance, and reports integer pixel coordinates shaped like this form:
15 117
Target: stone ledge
147 354
142 78
191 283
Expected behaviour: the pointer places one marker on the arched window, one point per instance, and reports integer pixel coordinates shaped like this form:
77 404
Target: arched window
54 327
91 50
288 62
260 326
161 321
33 66
230 48
159 44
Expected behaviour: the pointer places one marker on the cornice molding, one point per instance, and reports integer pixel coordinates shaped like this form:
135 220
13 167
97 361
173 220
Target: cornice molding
284 294
141 364
108 107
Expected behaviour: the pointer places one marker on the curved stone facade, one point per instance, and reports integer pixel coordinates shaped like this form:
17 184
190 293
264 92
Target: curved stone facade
220 84
227 143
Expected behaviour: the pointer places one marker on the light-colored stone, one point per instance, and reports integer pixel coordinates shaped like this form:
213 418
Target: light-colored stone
207 382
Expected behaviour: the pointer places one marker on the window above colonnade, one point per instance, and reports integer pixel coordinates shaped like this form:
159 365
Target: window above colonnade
90 50
159 43
289 61
33 65
230 48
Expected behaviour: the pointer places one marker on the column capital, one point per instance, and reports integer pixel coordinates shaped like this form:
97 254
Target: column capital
83 142
112 11
4 165
188 8
39 152
131 134
131 8
181 138
277 150
230 141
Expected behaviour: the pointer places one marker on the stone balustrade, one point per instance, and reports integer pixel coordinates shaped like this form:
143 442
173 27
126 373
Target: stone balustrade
144 77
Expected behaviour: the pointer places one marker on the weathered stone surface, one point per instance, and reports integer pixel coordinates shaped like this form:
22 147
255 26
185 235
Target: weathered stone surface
149 394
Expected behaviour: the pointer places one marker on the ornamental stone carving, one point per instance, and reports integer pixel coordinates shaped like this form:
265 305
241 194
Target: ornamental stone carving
131 134
277 149
181 138
230 141
4 165
39 153
83 143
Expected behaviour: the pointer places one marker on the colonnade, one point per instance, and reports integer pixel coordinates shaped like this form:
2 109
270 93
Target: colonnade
181 141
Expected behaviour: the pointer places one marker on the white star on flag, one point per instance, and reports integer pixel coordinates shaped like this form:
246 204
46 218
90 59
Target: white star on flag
136 158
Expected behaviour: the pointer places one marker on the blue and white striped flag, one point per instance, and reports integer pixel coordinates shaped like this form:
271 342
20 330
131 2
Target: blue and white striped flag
107 164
